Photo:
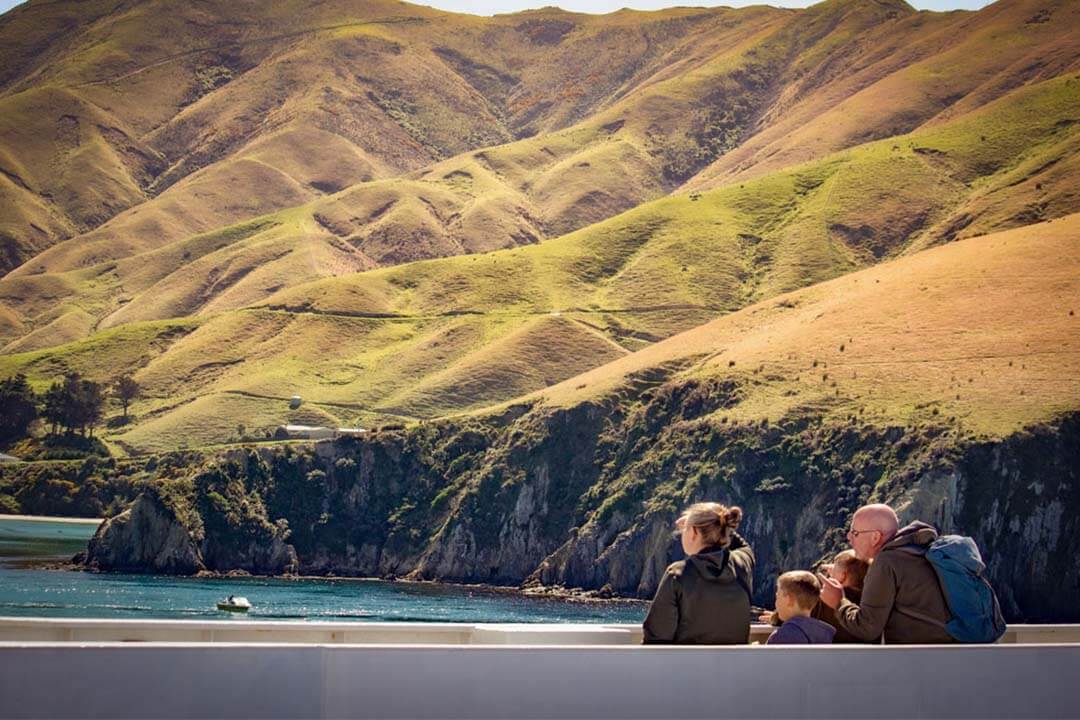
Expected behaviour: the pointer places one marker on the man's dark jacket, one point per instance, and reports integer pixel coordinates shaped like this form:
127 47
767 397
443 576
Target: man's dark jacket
898 583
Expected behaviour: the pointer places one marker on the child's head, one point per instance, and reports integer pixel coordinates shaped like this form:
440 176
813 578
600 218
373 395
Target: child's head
849 570
797 593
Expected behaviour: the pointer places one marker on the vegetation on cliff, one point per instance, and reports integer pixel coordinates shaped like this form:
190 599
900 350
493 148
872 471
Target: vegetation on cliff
585 497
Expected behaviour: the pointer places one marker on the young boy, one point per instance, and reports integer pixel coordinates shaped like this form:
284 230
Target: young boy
849 571
797 594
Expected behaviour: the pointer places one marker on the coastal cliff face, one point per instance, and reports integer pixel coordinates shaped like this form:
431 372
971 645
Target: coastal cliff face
147 537
165 532
1019 499
585 497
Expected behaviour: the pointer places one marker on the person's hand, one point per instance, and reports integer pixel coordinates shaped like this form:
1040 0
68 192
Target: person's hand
832 592
765 617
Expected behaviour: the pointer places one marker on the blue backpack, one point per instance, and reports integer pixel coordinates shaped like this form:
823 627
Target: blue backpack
973 606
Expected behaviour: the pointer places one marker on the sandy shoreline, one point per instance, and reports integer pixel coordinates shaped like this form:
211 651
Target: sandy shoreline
50 518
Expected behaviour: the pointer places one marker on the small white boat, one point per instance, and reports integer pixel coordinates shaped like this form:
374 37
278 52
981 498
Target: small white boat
234 603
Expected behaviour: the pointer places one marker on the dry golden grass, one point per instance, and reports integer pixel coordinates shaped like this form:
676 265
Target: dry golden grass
982 332
233 118
443 336
915 72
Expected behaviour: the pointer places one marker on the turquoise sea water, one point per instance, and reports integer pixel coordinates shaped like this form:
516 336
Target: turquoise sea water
28 590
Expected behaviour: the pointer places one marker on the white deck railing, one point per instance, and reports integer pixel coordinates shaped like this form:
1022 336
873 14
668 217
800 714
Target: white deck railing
121 668
236 630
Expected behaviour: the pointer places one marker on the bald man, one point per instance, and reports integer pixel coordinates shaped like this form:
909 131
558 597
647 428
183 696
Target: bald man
901 600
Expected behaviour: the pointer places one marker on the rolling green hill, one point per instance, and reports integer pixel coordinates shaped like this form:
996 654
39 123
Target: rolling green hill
294 100
920 71
981 334
446 336
402 214
393 133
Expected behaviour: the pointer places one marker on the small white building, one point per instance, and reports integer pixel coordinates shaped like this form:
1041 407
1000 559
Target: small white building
310 432
350 432
318 432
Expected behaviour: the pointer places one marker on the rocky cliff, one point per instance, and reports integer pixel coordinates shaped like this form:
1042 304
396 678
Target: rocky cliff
159 533
584 497
147 537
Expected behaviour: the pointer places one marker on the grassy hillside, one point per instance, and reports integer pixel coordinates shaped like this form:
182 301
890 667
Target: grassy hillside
445 336
1008 163
605 112
99 120
980 335
917 71
286 189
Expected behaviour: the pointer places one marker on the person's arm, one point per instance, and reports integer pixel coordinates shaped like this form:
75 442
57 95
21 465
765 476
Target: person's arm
866 621
742 548
738 542
742 557
663 619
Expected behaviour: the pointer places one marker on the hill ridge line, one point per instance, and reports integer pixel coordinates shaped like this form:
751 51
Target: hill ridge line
241 43
295 310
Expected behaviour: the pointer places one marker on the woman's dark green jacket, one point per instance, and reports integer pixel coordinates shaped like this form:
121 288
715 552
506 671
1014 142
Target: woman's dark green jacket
705 599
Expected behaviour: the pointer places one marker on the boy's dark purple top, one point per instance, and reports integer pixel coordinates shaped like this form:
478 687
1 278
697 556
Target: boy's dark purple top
801 630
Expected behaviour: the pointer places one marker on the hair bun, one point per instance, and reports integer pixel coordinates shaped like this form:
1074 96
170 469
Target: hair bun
713 520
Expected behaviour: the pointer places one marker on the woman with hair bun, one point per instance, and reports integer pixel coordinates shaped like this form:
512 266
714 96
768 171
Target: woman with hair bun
705 599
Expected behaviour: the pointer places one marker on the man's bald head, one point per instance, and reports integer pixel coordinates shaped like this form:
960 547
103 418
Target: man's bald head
878 517
872 527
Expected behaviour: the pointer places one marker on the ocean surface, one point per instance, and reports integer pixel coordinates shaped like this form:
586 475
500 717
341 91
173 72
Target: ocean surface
26 589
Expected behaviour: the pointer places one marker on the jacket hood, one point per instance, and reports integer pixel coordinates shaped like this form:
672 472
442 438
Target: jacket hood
917 533
712 565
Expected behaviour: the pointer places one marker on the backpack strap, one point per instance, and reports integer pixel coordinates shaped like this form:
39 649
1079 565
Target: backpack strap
921 551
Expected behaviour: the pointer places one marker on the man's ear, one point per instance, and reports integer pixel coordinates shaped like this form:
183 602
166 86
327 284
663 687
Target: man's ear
879 541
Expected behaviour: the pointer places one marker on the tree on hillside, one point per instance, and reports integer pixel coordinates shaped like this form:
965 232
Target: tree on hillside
53 407
126 389
19 402
91 406
74 403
